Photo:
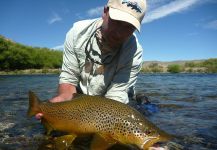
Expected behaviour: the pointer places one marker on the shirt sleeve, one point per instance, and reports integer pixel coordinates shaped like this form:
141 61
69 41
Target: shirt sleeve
128 67
70 68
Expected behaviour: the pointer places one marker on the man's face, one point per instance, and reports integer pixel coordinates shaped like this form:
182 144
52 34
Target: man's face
115 32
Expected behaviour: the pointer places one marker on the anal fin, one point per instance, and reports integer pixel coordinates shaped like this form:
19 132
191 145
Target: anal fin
101 142
63 142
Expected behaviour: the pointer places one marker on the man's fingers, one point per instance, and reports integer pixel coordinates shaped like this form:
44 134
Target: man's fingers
56 99
38 116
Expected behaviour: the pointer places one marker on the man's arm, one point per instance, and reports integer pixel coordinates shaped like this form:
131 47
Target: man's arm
65 93
129 65
69 76
118 90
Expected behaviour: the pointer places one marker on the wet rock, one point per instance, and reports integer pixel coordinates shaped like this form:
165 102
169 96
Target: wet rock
5 125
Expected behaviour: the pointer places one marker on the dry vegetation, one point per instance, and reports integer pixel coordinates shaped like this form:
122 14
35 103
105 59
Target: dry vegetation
194 66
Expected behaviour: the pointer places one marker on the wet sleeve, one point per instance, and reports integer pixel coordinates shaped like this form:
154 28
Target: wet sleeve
70 68
126 75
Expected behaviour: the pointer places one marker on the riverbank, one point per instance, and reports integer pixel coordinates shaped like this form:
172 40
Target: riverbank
193 66
30 71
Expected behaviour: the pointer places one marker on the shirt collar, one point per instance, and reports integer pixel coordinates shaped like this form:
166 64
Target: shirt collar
98 49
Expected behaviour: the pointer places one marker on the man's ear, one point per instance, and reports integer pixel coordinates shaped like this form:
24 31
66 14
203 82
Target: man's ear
105 11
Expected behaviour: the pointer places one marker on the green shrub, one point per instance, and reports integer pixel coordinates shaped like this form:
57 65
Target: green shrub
190 64
210 65
155 68
174 68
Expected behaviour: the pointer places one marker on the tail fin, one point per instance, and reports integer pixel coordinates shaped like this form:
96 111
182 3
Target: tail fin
34 103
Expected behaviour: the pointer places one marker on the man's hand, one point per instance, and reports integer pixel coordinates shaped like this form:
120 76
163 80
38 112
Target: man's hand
38 116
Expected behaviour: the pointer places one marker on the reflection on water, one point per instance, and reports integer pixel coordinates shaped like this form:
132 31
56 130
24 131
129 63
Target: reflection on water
187 102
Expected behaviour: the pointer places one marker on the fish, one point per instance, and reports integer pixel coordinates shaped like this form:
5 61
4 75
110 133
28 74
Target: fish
110 121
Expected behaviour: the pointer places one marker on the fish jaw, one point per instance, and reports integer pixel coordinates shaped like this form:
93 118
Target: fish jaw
150 141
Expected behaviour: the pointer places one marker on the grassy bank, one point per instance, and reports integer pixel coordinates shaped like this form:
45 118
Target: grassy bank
30 71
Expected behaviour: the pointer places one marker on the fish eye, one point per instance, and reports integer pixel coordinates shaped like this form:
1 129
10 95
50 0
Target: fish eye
147 132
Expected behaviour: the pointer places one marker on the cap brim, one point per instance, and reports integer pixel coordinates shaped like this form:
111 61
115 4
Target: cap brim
123 16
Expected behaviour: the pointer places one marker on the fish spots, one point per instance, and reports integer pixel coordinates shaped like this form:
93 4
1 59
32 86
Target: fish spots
133 117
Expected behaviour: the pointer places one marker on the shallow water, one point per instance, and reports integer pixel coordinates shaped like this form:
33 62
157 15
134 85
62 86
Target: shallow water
187 108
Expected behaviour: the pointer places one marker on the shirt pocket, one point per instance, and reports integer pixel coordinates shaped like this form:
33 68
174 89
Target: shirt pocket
97 85
80 57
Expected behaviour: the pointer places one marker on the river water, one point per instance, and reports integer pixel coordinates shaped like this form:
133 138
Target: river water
187 108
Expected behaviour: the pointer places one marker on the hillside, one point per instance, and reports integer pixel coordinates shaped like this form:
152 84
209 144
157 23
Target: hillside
15 56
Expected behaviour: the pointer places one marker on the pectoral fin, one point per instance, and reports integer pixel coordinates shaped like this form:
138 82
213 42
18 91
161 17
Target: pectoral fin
101 142
63 142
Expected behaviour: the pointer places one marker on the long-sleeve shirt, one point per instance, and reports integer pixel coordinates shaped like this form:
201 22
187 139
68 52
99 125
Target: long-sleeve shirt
109 74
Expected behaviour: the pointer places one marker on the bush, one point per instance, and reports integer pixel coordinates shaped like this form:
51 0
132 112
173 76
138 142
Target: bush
210 65
174 68
190 64
155 68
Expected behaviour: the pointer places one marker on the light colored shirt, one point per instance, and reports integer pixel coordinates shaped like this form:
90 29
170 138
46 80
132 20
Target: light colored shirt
115 72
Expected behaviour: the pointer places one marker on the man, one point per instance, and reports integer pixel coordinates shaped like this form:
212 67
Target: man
103 56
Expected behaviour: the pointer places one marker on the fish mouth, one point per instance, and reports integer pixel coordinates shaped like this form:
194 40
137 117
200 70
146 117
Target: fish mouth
152 140
149 142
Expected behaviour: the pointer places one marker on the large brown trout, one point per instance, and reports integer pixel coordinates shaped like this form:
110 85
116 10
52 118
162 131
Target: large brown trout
110 121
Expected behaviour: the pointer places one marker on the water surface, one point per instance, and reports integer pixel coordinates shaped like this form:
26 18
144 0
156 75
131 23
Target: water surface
187 102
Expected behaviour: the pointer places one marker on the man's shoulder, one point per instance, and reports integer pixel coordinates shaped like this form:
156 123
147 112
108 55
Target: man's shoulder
83 25
132 44
131 50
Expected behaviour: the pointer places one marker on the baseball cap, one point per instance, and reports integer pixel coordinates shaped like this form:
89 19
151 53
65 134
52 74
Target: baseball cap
131 11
